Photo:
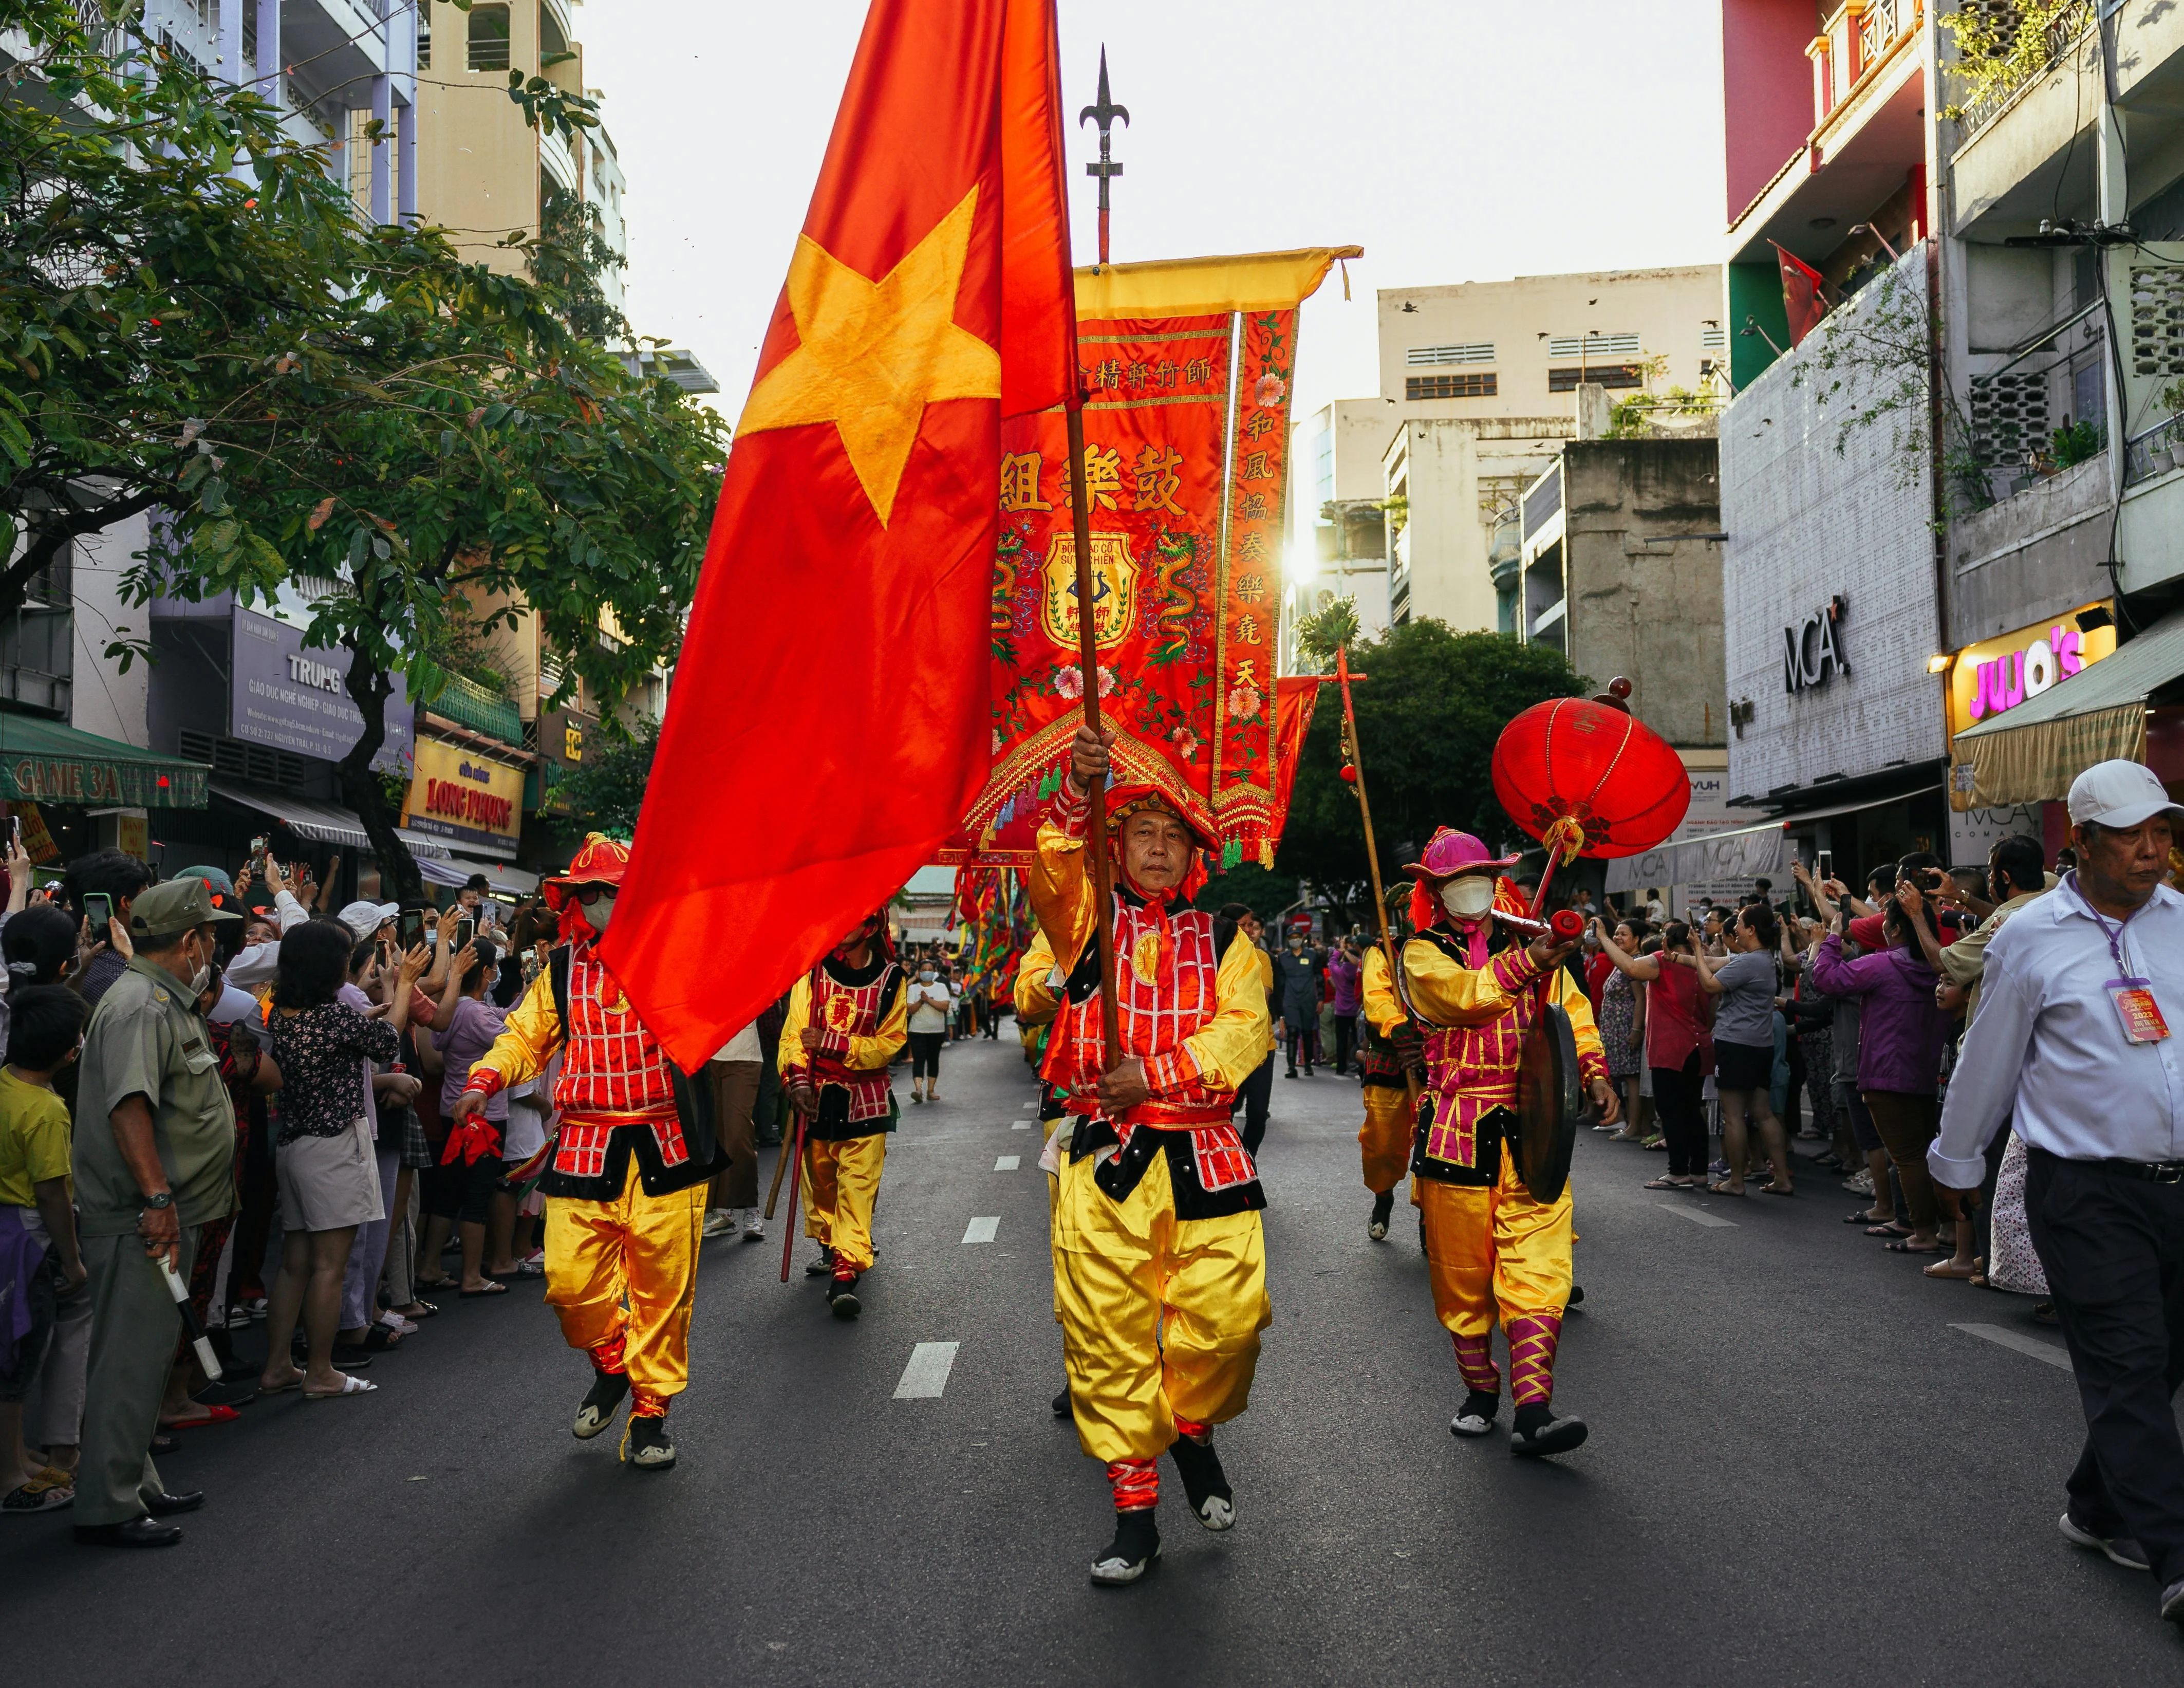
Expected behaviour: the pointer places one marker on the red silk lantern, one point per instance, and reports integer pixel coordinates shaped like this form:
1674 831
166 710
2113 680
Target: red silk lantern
1588 778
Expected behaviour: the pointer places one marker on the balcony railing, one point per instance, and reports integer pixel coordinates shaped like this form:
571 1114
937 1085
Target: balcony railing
468 703
2154 452
2045 32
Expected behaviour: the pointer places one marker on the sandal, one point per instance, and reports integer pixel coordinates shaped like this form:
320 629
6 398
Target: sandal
162 1444
1777 1190
1723 1189
349 1386
1887 1228
1665 1182
1949 1268
489 1289
1902 1246
212 1415
1862 1217
416 1310
440 1283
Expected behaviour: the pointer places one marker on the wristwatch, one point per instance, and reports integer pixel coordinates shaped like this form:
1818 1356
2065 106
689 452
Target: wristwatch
165 1197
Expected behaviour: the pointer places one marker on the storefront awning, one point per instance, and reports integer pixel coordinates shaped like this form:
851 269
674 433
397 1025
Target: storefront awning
42 761
2031 753
322 822
509 881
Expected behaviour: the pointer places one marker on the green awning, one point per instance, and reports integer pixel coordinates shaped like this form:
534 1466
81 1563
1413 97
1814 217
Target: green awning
42 761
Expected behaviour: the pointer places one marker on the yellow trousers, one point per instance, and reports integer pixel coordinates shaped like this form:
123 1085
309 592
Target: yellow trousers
1495 1254
627 1268
1384 1141
1161 1317
841 1188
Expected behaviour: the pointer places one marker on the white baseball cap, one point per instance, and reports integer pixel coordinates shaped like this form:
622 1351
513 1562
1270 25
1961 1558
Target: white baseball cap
364 918
2121 794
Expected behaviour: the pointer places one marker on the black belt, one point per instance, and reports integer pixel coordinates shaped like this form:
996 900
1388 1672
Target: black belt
2147 1172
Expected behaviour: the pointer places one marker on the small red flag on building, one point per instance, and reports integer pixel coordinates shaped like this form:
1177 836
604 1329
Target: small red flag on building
827 725
1804 295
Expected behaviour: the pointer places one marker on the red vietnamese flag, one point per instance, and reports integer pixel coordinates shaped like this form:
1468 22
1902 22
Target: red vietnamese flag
827 725
1804 295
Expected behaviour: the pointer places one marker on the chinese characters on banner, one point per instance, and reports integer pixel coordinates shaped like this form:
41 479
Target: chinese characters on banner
1186 438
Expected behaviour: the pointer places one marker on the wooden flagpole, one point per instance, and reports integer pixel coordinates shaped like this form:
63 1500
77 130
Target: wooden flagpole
1088 658
1371 846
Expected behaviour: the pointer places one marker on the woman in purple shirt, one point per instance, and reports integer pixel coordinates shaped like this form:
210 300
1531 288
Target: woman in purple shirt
1899 1055
463 1189
1344 972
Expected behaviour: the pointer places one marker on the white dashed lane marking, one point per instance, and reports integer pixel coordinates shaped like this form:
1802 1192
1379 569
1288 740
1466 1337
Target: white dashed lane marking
926 1374
1697 1216
981 1230
1007 1163
1020 1125
2023 1344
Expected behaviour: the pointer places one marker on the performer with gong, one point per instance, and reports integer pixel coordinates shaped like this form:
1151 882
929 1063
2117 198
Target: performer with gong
1511 1047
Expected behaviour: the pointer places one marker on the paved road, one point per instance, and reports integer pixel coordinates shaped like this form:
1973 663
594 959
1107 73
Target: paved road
1800 1473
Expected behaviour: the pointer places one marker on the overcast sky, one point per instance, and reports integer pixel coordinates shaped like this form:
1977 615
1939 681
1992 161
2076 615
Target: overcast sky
1454 140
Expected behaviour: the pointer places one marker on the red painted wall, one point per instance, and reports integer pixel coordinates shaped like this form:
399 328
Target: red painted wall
1767 90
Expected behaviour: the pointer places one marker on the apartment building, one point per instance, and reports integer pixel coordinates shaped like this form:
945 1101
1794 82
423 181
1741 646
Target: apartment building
1480 380
1898 532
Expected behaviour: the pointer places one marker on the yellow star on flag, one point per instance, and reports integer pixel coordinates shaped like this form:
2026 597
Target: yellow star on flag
873 355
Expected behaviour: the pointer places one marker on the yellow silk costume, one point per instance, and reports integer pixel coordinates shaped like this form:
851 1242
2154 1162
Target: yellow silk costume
1496 1253
1384 1141
1160 1314
622 1269
842 1174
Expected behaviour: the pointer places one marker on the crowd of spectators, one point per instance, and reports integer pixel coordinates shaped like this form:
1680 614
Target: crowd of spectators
1827 1017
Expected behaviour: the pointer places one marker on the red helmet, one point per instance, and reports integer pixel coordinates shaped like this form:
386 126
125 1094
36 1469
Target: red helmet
599 860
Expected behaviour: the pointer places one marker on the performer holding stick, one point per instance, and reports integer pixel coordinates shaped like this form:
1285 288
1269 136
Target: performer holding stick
847 1018
1389 1052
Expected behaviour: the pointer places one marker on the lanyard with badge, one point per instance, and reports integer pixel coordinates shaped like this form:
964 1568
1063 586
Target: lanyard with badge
2133 998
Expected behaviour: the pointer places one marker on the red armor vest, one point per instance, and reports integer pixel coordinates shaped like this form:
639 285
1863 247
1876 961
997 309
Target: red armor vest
614 1073
1168 977
844 1011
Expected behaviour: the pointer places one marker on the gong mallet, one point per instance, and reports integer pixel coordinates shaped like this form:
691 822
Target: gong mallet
191 1323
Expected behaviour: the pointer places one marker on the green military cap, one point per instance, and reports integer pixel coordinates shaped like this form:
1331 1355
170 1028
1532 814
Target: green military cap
174 907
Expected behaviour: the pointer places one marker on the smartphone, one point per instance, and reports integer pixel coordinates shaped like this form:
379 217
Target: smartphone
1824 865
466 931
412 928
1933 877
16 823
98 910
259 846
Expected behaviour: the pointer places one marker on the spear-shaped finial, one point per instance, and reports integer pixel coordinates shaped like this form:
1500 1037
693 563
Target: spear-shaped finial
1103 114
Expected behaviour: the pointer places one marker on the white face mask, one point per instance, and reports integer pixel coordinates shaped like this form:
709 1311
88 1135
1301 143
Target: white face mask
599 911
1468 898
927 975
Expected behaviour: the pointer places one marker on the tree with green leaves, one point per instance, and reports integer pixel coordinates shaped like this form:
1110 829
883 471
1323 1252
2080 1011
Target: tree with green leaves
1429 712
164 248
1324 632
354 416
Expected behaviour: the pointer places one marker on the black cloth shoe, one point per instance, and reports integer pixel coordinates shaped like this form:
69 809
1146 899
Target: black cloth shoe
649 1448
1475 1418
842 1298
130 1533
596 1410
1538 1432
1384 1204
1291 1073
824 1266
1061 1408
2172 1599
1205 1483
1576 1299
1134 1551
166 1506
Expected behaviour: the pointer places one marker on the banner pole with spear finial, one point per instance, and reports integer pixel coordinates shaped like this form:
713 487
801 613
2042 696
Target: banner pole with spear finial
1088 658
1103 114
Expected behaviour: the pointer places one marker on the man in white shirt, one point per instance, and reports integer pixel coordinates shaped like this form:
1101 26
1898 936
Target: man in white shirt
2079 996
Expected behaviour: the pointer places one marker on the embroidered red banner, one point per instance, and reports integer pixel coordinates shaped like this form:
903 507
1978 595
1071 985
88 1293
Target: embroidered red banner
1186 464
